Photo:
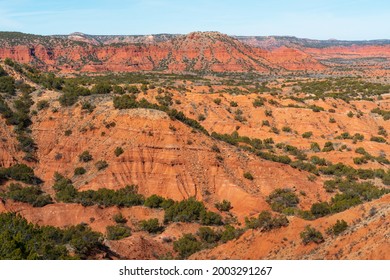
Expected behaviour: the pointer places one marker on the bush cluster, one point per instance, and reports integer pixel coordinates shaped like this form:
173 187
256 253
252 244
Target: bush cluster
187 245
190 210
32 195
282 200
266 222
310 234
151 225
339 227
125 197
117 232
19 172
223 206
23 240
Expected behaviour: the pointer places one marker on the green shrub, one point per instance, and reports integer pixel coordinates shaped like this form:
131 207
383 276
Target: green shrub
365 174
318 161
117 232
266 222
272 157
310 234
118 89
223 206
344 135
217 101
265 123
378 139
258 102
154 201
87 106
338 169
201 117
23 240
342 202
3 73
76 90
382 131
165 100
385 114
26 143
132 89
307 215
386 179
210 218
274 130
359 160
184 211
219 158
361 151
125 102
101 88
315 147
338 227
118 151
85 156
174 114
215 148
64 189
248 175
151 225
320 209
357 137
119 218
32 195
307 166
307 134
79 171
316 108
189 210
282 199
233 104
328 147
68 99
144 88
208 235
22 173
7 85
187 245
101 164
124 197
42 104
230 233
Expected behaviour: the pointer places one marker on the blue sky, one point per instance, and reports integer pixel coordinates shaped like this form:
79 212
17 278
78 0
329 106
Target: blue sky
317 19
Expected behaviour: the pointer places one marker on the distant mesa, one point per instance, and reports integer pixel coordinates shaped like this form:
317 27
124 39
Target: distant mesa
199 51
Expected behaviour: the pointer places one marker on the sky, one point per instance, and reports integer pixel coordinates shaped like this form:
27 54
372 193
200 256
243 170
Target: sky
315 19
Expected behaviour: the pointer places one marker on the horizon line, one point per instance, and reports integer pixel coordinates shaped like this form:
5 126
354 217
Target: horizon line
183 34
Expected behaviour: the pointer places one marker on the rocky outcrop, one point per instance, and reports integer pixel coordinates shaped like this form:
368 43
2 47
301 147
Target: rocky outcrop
197 51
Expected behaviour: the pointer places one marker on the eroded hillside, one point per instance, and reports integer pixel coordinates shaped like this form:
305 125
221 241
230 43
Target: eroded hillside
165 165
